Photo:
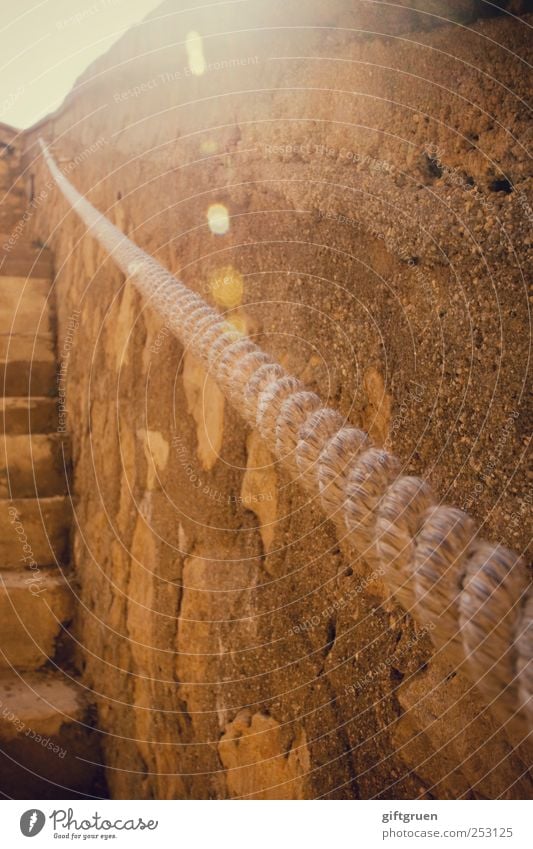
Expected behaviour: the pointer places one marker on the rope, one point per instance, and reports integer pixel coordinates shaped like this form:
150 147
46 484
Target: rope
477 595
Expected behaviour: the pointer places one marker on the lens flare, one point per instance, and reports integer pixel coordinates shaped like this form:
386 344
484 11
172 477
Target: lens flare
226 284
238 324
195 53
209 146
218 219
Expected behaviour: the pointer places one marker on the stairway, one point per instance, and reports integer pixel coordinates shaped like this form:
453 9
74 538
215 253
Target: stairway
48 746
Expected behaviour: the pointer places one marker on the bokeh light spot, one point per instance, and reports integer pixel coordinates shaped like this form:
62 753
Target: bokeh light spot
195 53
227 286
209 146
238 324
218 219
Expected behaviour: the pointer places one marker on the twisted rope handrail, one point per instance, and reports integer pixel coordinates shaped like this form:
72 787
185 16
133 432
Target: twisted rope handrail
477 595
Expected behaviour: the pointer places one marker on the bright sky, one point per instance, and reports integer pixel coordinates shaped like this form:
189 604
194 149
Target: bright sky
46 44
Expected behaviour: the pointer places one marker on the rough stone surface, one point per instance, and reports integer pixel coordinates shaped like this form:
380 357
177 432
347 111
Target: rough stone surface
11 187
34 604
262 760
42 525
27 364
25 415
47 748
205 403
39 701
33 465
379 202
23 305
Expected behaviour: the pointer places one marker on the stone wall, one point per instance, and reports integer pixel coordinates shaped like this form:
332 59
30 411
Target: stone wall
11 192
378 198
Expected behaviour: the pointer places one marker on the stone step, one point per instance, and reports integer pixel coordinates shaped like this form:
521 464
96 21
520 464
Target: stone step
47 745
11 177
33 465
12 206
34 605
15 185
11 245
11 215
15 243
23 242
24 266
25 305
28 415
42 524
16 252
27 364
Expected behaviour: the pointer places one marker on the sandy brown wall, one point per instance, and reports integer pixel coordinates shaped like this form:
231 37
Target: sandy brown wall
380 211
11 191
